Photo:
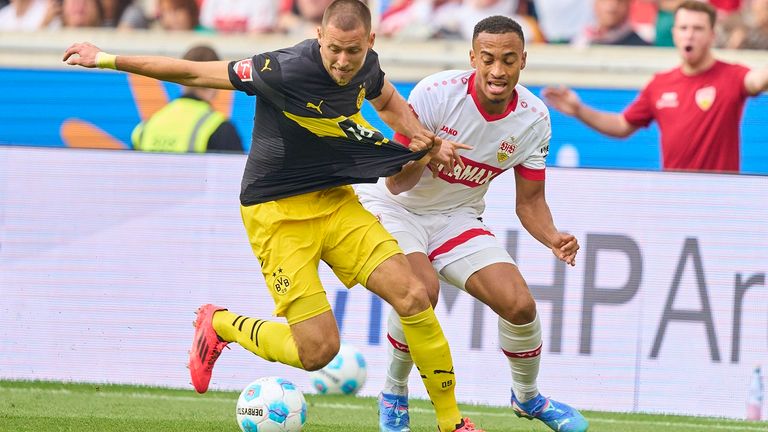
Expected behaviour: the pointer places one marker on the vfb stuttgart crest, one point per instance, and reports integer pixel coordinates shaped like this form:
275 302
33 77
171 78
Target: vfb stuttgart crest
506 148
705 97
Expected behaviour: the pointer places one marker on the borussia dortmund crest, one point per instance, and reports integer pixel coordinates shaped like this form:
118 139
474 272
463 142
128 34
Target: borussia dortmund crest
281 283
360 97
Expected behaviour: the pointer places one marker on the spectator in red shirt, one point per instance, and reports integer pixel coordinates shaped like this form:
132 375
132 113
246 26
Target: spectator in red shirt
697 105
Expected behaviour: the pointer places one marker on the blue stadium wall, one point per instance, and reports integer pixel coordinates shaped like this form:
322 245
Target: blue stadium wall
36 103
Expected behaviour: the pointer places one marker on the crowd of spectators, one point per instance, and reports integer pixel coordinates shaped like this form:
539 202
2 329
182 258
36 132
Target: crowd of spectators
742 24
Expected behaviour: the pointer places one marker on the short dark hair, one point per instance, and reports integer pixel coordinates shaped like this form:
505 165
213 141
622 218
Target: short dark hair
498 24
201 53
348 15
699 6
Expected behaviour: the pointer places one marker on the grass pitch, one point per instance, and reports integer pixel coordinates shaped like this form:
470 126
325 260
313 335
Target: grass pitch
50 406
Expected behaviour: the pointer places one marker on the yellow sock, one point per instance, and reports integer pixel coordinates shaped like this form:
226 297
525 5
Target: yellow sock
269 340
432 357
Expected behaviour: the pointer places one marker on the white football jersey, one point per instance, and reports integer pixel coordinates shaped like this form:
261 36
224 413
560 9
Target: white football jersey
447 105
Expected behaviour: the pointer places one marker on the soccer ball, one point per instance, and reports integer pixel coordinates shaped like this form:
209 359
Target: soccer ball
271 404
345 374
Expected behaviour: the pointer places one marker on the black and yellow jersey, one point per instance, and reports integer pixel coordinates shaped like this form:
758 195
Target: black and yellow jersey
308 132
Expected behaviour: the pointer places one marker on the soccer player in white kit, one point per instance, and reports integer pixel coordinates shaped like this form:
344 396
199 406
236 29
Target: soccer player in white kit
435 213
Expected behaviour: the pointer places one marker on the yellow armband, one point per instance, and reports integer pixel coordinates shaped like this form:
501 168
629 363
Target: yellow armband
105 61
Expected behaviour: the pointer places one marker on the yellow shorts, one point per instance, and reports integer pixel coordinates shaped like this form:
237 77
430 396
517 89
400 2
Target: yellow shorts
290 236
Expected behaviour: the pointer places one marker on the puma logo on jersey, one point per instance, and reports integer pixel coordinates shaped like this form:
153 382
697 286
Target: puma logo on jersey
315 107
266 66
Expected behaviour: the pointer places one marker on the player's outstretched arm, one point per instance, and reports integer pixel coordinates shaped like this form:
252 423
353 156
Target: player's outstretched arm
568 102
756 81
190 73
532 209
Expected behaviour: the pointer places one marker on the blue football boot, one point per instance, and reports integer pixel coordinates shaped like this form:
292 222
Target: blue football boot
557 415
393 413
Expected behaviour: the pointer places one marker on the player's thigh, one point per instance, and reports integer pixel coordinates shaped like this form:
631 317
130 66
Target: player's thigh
288 251
422 268
355 243
500 286
394 281
360 250
461 244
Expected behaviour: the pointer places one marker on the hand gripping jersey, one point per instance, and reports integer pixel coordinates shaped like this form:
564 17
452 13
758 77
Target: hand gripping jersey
446 104
308 133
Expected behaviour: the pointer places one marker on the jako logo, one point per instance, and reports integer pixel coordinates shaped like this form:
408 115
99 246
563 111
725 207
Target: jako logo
449 131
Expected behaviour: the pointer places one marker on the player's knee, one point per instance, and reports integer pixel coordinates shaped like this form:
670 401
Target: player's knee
520 311
319 356
414 299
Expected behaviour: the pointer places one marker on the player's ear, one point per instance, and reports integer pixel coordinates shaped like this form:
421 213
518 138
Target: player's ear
472 59
319 33
371 40
523 60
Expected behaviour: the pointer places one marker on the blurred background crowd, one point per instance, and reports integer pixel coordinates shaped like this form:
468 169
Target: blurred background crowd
742 24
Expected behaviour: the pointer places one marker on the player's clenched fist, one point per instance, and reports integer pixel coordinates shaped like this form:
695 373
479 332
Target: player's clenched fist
425 140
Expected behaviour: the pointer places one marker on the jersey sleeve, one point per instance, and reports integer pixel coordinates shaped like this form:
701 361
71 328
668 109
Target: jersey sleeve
258 75
740 73
640 112
534 166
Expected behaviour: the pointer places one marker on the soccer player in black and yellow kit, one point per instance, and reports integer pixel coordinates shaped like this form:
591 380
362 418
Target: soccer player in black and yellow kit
309 144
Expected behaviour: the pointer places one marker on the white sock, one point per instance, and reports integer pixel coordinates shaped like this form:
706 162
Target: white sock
522 346
400 361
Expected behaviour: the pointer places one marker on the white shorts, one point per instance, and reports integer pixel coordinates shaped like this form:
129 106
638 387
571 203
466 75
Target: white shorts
457 244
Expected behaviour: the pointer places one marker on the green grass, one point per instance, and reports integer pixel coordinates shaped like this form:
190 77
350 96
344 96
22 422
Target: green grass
50 406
